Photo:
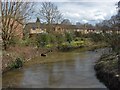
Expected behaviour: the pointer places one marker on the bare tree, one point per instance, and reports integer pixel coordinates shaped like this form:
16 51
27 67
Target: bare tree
49 13
13 15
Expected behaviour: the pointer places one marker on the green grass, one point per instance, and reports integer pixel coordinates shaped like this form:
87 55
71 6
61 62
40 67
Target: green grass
85 42
77 43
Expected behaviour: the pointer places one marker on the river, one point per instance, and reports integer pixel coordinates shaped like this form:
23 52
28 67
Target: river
75 69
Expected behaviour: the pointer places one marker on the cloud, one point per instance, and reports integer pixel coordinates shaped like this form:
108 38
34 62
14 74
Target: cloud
85 21
87 11
68 0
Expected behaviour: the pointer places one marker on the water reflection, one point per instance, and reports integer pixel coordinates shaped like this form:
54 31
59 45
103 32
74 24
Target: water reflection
75 70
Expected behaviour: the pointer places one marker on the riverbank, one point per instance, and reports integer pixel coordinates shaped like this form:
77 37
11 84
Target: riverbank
27 53
73 69
107 71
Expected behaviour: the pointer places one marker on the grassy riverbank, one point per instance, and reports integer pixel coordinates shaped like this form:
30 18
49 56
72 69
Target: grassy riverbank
26 53
108 72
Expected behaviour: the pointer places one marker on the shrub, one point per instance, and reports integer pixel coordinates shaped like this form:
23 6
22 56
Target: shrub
64 46
17 63
114 41
52 38
25 42
13 41
49 45
77 43
69 37
42 39
96 37
60 39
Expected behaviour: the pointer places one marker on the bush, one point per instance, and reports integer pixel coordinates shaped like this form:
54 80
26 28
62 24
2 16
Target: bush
114 41
64 46
26 42
60 39
69 37
17 63
42 40
13 41
77 43
52 38
49 45
96 37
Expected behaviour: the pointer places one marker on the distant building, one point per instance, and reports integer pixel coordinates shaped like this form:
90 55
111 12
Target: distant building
37 27
34 28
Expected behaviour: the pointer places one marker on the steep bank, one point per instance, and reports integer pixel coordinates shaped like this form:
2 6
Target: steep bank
26 53
107 71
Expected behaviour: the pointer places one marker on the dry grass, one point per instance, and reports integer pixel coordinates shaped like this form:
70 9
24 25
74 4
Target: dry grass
26 53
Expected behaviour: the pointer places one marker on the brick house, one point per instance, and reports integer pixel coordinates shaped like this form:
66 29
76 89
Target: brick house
34 28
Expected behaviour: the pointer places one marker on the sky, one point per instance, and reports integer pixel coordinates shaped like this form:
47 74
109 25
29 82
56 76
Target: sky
84 11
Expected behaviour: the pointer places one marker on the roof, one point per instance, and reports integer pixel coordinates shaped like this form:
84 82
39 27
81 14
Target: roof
41 25
28 26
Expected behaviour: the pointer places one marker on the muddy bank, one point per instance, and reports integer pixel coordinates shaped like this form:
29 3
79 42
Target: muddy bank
107 71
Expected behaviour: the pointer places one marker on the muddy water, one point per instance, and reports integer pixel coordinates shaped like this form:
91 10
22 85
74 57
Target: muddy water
74 70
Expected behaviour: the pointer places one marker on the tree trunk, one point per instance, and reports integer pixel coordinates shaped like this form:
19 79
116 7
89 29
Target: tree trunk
119 63
5 45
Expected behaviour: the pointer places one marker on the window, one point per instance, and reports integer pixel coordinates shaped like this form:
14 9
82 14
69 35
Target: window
33 28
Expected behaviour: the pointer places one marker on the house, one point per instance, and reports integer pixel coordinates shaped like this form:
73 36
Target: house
31 29
62 28
34 28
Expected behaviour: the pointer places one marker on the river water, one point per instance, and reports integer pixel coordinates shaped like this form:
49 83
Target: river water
75 69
